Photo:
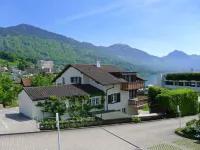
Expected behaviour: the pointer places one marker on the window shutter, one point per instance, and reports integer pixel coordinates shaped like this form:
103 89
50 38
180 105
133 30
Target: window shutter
109 99
71 79
118 97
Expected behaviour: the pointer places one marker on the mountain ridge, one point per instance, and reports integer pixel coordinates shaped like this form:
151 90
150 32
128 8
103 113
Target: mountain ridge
37 43
41 43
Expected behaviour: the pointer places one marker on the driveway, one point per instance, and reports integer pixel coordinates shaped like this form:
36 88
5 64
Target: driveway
13 122
155 135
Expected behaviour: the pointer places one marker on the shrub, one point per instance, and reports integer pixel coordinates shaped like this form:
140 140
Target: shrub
199 107
192 129
154 91
187 100
189 123
136 119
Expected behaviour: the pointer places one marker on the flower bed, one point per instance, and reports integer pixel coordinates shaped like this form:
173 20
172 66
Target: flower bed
50 124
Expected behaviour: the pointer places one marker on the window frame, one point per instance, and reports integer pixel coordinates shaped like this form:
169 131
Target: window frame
75 80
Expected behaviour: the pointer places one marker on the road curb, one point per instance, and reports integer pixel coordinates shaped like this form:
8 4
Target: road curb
100 126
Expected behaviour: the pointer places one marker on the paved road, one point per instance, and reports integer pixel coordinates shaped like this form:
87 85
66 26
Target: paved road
115 137
13 122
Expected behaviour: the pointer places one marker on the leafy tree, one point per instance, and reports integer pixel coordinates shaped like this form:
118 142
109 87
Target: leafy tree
42 80
8 90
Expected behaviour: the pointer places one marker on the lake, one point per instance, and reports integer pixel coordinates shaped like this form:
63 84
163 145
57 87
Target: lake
151 79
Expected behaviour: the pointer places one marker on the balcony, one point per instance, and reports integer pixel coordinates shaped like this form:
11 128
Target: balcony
138 101
132 86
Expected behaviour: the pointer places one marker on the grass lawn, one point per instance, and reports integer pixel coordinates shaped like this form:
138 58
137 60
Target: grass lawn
145 108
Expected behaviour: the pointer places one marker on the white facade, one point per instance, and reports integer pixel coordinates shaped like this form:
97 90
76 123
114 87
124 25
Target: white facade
29 108
124 95
46 64
25 104
162 82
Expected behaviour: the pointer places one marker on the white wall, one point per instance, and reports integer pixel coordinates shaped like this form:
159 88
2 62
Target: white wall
124 96
25 104
71 72
99 86
37 113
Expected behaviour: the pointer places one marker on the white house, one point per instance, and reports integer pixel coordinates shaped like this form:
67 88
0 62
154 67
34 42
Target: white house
175 84
120 87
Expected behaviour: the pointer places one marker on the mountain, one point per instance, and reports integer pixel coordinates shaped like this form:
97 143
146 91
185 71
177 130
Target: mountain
32 42
36 43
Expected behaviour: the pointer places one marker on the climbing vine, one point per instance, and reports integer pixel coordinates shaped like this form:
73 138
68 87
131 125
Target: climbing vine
79 107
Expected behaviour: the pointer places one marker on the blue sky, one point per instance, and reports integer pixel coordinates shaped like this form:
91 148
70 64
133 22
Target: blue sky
155 26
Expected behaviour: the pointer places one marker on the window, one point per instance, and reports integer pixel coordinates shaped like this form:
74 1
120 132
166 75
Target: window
97 101
187 83
76 80
63 80
180 84
132 94
193 84
94 101
114 98
123 110
198 84
169 83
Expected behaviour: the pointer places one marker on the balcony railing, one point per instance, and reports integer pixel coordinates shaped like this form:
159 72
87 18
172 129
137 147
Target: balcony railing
138 103
132 86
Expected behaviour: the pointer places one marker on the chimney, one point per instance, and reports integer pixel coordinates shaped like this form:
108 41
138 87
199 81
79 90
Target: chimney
98 64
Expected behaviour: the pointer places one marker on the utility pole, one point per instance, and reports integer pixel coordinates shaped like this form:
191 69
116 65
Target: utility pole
58 127
178 110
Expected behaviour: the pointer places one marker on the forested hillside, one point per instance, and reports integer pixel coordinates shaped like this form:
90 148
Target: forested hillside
33 42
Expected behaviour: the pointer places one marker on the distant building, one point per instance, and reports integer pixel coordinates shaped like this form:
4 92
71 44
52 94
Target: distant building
46 64
178 81
44 70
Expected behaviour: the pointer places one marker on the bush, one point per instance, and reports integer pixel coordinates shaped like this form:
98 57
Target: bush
189 123
192 129
154 91
199 107
50 123
136 119
187 99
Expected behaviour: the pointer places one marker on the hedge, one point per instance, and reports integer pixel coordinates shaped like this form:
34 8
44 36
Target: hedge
50 124
154 91
187 100
183 76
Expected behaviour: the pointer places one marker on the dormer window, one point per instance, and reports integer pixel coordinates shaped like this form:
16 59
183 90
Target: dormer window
75 80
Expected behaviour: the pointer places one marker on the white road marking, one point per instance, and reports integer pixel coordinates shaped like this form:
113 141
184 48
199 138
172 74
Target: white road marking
4 124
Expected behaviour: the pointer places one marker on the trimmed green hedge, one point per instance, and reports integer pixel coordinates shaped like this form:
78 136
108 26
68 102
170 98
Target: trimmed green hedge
187 100
154 91
183 76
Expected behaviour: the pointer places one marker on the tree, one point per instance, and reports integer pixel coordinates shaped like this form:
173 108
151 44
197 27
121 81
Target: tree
42 80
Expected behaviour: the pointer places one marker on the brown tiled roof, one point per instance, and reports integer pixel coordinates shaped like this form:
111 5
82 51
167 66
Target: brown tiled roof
44 92
26 82
101 74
